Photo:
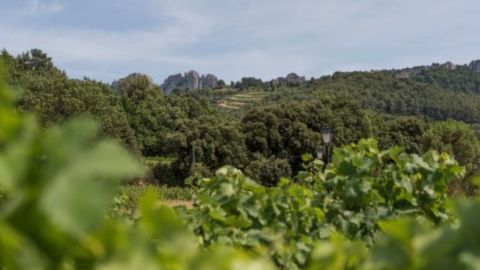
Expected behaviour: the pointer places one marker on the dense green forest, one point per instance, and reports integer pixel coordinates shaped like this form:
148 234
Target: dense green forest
376 205
260 127
368 209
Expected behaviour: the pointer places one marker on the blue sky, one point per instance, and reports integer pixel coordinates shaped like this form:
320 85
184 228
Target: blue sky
108 39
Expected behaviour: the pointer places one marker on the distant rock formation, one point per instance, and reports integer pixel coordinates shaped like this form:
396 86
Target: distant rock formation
208 81
475 66
415 71
189 81
449 65
172 82
193 80
291 79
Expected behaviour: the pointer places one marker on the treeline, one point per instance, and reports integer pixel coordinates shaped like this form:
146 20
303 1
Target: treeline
267 142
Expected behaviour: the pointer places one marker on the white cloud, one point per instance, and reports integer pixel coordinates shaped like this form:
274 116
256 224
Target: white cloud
263 38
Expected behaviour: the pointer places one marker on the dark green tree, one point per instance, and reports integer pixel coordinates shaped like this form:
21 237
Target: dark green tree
35 60
208 140
458 139
407 131
289 130
268 171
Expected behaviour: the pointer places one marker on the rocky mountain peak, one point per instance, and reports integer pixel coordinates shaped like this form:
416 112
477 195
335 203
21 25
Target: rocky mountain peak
449 65
475 66
190 80
290 79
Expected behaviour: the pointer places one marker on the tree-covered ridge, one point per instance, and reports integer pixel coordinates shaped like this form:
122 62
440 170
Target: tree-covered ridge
465 78
385 92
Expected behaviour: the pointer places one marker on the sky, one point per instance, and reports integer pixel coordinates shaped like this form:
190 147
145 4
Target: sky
109 39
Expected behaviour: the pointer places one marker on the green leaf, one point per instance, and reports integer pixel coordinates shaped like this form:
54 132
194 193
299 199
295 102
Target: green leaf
78 195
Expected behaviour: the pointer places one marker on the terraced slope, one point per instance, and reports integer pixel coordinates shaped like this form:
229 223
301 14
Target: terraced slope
241 100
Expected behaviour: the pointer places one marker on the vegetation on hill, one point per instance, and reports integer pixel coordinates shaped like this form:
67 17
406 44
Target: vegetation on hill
458 78
255 124
333 219
368 209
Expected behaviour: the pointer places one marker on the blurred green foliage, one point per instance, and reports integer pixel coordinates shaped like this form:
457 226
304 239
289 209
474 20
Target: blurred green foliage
360 188
126 200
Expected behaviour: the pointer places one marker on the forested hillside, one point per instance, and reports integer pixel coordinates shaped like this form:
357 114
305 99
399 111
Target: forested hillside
261 127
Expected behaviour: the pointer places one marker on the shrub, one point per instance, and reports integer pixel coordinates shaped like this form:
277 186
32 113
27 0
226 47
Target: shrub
268 171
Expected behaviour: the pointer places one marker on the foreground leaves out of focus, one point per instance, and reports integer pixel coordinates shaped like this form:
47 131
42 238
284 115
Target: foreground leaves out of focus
359 190
370 209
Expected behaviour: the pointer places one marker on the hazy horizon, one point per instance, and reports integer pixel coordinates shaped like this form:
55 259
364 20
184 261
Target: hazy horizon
266 39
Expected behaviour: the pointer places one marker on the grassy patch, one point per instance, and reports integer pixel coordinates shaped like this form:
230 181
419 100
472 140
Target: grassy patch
126 200
242 99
